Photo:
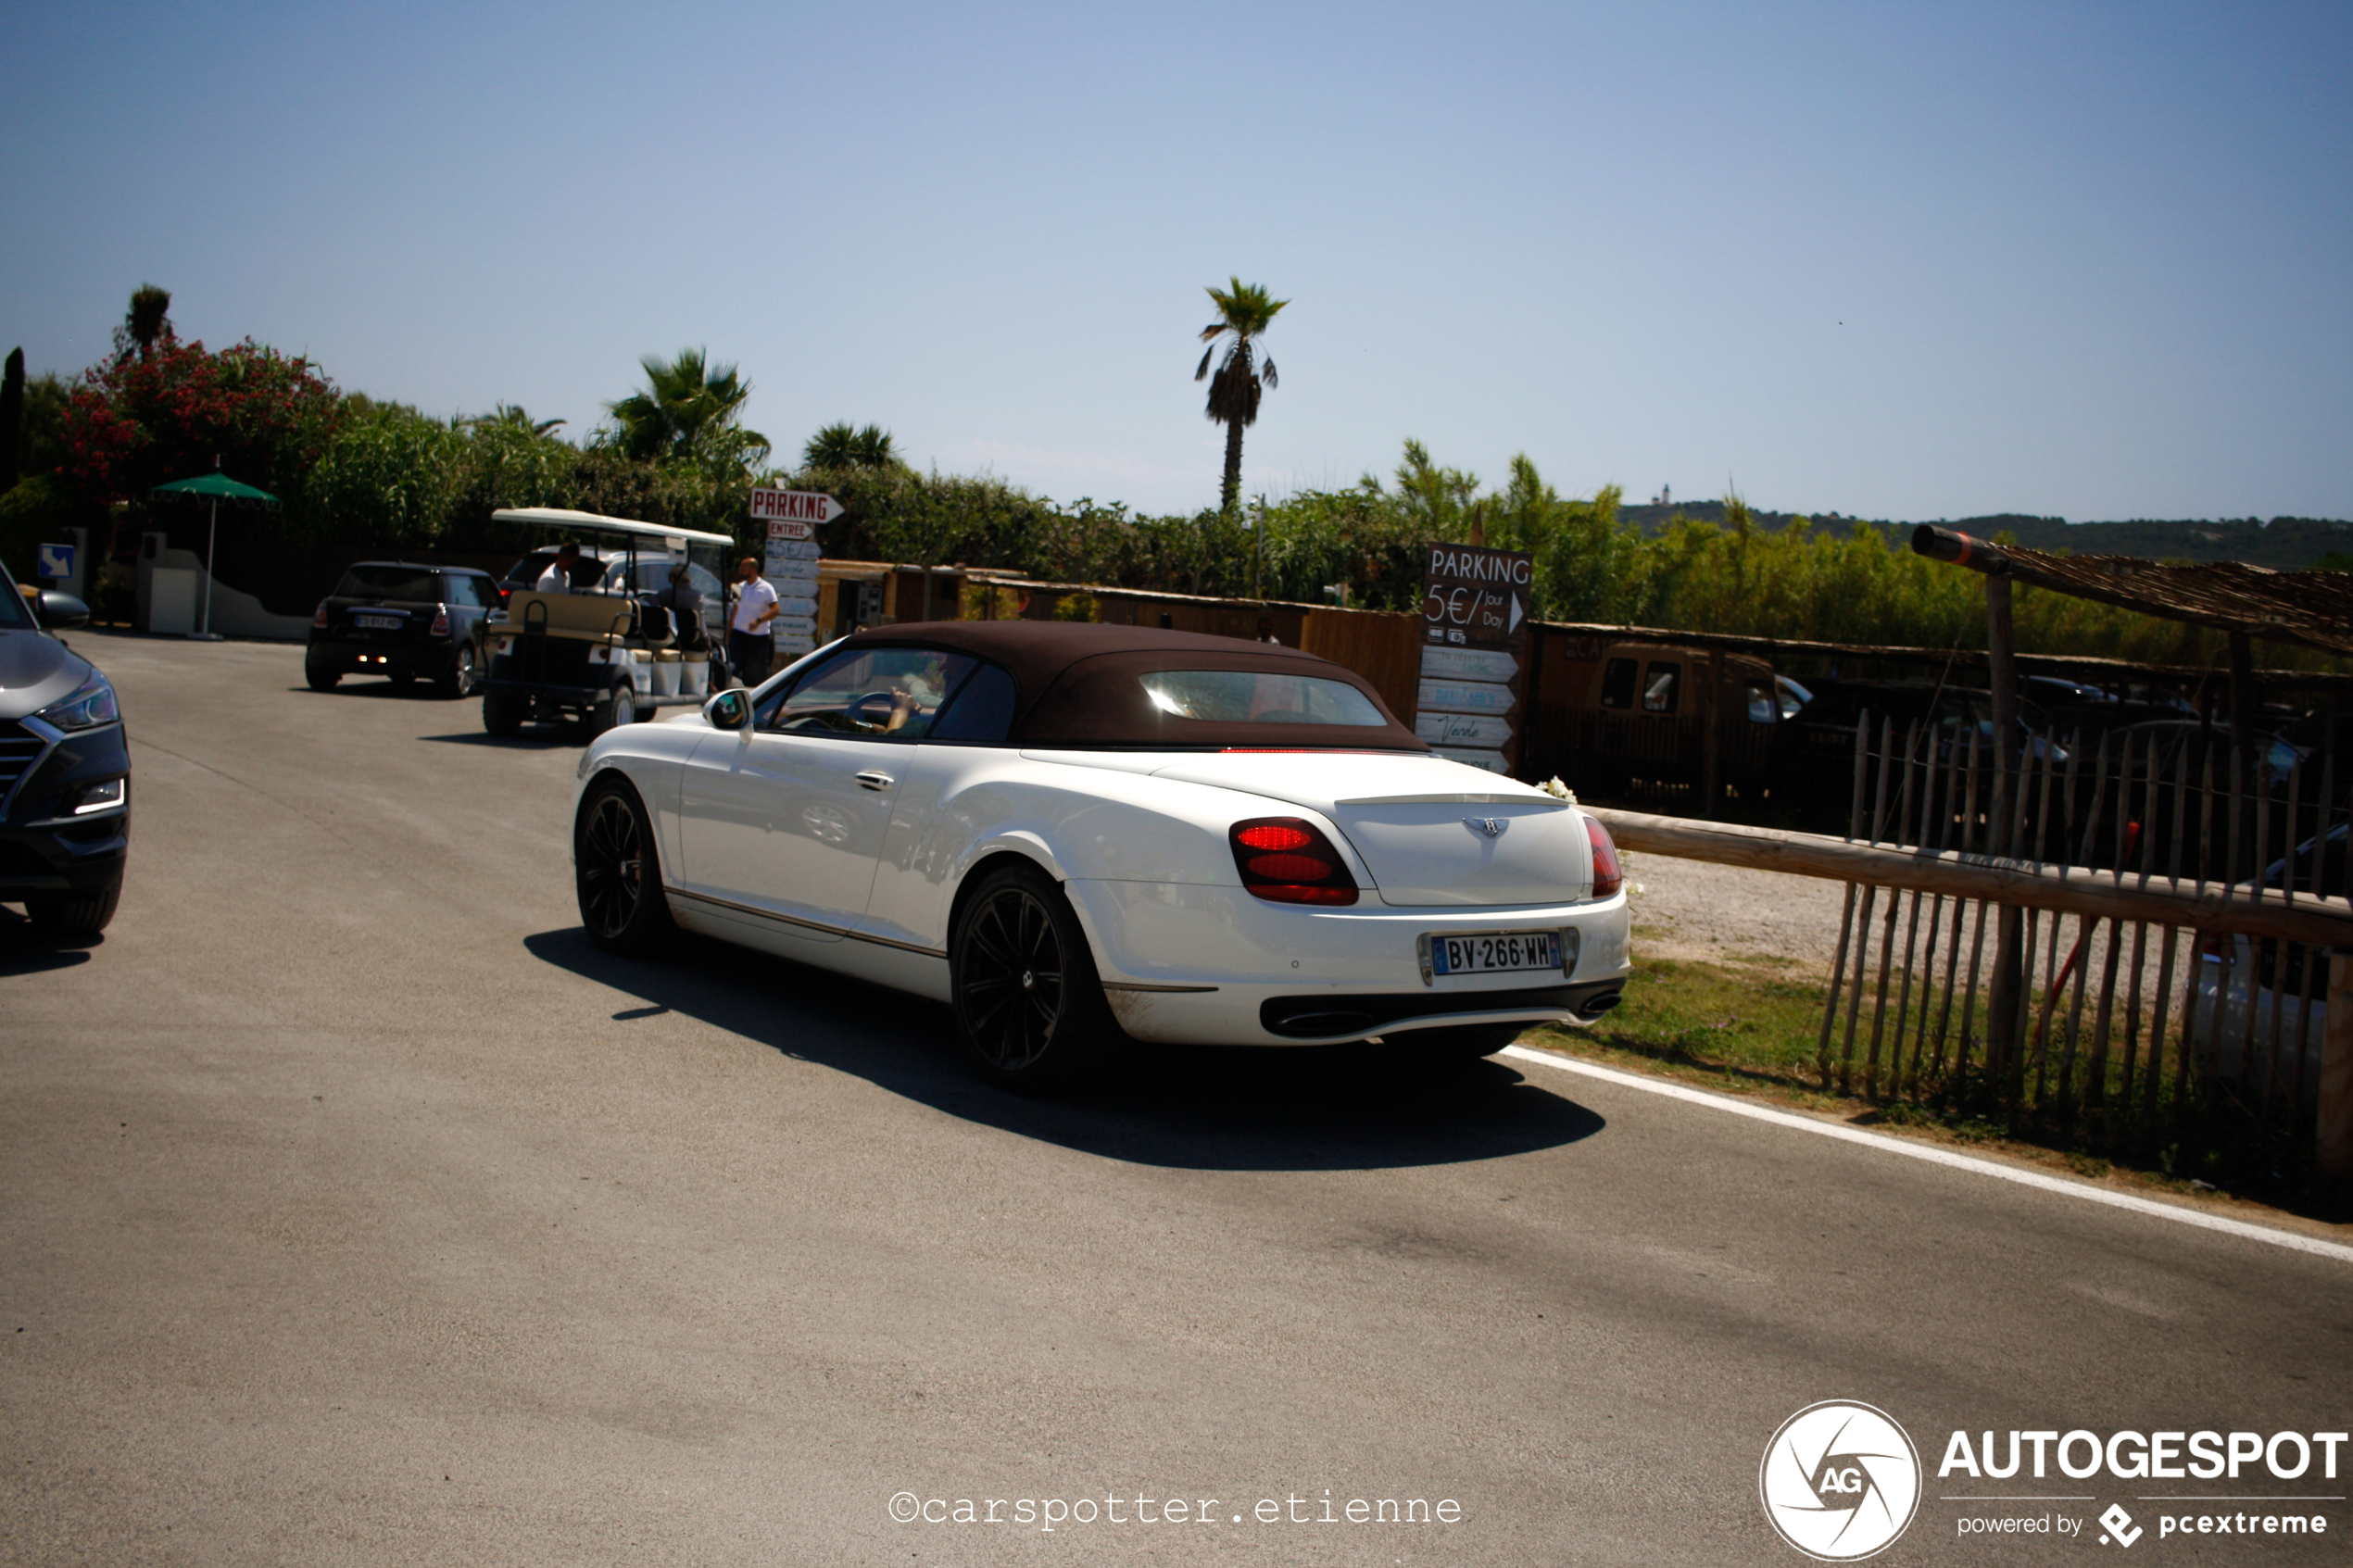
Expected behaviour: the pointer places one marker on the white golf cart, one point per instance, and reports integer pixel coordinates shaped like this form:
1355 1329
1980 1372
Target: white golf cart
614 653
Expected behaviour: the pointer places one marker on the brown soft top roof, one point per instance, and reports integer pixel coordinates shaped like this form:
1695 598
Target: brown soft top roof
1090 672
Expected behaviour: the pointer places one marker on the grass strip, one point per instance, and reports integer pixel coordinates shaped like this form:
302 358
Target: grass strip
1748 1026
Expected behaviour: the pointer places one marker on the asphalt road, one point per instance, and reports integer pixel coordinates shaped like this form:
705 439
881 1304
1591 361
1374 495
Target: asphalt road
354 1209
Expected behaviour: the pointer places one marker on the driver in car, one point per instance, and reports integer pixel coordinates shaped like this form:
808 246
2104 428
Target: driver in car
912 697
557 579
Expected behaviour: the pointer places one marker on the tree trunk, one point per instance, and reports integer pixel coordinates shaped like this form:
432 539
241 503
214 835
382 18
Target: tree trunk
11 417
1230 494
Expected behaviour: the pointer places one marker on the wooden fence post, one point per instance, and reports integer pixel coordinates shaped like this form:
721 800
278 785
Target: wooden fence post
2005 1006
1712 741
2334 1133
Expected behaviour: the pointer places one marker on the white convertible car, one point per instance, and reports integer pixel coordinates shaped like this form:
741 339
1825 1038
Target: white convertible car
1081 836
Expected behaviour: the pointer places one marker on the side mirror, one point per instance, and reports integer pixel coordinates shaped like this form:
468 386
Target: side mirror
62 610
730 710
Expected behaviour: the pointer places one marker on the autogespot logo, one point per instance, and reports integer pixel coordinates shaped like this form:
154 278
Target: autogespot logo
1840 1481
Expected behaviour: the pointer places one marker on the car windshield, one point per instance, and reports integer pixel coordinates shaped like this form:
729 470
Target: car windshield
12 611
410 582
1246 696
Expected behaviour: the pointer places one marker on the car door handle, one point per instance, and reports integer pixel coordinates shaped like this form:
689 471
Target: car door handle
876 781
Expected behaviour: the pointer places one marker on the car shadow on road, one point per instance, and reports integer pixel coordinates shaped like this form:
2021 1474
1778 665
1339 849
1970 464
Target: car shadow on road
380 691
1297 1108
24 950
538 737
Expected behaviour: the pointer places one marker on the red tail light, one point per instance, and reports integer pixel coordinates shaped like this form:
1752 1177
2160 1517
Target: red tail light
440 622
319 616
1607 877
1289 860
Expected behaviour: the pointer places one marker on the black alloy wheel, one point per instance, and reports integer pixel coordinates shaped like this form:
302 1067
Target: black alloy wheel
320 678
1028 1004
464 672
618 871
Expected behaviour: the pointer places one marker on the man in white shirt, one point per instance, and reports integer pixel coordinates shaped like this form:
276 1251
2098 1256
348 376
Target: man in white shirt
557 579
750 643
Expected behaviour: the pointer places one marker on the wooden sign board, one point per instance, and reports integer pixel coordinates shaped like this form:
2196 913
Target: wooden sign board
793 560
794 505
1475 654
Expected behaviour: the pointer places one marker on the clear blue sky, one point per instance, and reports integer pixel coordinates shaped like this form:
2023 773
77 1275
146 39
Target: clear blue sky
1895 260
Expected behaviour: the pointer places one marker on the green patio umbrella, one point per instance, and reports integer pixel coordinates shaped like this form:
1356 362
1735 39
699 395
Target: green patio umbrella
214 487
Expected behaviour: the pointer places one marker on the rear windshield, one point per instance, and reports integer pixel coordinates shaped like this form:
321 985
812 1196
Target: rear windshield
1235 696
390 582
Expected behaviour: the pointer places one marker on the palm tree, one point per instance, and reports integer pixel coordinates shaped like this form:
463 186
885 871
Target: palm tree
147 323
689 410
511 415
840 446
1244 310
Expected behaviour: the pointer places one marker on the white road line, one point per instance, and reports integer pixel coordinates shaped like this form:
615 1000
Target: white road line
1935 1156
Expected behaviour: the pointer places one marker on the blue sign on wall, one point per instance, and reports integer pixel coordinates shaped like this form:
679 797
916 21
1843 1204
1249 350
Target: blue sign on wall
55 562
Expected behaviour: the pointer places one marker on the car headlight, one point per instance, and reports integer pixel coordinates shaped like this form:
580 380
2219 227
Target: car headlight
105 796
91 705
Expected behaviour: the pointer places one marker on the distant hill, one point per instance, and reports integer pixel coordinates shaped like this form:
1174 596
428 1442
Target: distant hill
2288 544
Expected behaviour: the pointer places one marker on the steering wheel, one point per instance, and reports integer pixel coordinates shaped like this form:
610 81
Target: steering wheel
855 712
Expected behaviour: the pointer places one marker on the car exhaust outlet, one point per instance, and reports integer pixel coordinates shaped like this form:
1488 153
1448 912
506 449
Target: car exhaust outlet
1596 1005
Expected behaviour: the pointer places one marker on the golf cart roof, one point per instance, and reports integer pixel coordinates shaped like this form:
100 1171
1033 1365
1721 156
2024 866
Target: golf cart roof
556 517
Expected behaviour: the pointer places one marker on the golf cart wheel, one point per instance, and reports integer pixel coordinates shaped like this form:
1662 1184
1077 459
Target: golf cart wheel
502 713
618 710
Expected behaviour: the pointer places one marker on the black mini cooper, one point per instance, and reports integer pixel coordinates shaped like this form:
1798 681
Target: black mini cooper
389 618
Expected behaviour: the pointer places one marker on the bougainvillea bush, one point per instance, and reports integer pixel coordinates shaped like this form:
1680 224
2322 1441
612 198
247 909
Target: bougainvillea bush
178 410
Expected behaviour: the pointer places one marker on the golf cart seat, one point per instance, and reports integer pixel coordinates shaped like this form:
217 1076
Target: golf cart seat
596 618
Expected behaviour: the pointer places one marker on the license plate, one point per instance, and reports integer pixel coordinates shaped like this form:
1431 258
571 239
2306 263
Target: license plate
377 622
1493 952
